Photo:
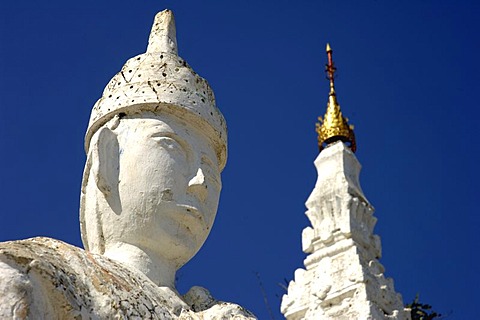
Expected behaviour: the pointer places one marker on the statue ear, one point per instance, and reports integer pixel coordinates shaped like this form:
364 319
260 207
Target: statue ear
105 164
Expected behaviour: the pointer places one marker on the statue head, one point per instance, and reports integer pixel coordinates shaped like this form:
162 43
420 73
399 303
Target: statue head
156 144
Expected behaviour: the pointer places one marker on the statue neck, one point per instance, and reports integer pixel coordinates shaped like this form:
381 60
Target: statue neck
156 268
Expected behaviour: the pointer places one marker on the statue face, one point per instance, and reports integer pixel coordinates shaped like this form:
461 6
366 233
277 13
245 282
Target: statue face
168 187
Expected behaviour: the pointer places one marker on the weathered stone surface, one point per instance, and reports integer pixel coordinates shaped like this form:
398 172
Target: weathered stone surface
343 278
43 278
156 145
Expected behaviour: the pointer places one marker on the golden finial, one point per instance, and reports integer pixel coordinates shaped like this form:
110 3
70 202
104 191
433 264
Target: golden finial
334 126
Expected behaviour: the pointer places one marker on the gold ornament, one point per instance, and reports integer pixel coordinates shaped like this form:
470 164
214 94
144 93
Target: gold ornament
334 127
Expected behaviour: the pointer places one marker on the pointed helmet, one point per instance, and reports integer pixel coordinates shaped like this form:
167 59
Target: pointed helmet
160 81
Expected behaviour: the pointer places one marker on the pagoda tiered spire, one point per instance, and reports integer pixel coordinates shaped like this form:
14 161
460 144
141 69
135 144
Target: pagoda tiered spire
334 126
342 277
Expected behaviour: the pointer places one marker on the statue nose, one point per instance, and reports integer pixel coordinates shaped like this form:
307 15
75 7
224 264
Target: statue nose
197 185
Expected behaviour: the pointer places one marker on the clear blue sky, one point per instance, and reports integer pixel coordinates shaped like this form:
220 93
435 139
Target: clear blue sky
408 79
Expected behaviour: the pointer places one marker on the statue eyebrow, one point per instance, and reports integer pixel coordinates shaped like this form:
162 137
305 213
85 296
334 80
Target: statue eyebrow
172 135
206 160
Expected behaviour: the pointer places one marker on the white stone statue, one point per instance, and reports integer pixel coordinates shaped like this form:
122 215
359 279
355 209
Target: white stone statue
156 144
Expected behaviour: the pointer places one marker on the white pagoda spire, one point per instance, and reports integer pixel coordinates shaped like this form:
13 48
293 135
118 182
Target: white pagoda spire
343 278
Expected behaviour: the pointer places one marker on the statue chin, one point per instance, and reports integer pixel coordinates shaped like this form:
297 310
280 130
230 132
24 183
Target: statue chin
174 235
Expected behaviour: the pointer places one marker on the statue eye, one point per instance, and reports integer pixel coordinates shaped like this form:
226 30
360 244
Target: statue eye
170 144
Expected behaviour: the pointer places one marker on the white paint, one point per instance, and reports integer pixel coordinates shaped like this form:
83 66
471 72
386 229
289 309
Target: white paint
152 180
162 82
43 278
156 144
151 193
343 278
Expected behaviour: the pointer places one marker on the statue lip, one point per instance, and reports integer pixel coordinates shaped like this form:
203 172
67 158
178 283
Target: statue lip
193 212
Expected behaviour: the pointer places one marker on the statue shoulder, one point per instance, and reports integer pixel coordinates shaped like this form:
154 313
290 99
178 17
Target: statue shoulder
51 279
207 307
23 252
44 278
26 268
